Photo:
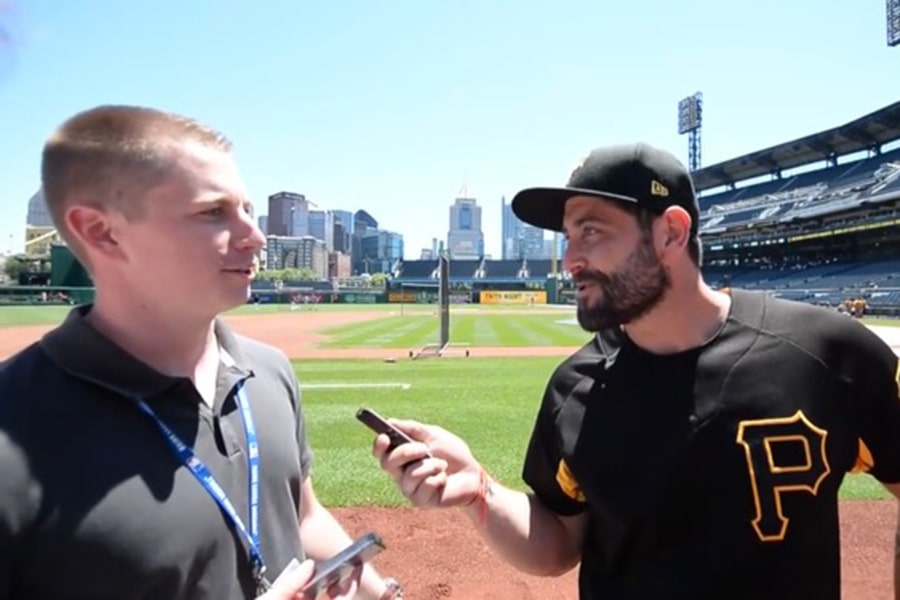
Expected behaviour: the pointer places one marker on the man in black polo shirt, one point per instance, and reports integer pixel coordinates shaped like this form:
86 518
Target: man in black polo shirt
146 451
695 447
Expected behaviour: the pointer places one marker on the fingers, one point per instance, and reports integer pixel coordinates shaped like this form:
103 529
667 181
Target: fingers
347 589
422 482
393 461
414 429
291 582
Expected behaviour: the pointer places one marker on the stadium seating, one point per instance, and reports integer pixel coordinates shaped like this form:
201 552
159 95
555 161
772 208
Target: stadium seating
802 196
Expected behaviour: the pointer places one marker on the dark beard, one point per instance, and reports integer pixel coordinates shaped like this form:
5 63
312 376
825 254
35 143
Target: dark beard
626 294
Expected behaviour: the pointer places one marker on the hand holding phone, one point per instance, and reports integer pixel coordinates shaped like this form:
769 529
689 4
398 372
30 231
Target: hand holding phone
379 425
337 569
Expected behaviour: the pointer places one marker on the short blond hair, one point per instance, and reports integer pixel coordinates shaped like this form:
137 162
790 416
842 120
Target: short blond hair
110 156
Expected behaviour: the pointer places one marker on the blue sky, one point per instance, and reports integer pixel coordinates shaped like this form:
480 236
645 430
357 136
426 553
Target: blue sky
396 106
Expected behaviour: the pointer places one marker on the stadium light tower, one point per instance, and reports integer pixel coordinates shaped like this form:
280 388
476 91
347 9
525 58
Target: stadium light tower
893 22
690 117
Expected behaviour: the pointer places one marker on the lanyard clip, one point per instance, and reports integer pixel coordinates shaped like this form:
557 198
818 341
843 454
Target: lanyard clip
259 575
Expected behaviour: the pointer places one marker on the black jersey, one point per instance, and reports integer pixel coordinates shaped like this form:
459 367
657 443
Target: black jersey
714 473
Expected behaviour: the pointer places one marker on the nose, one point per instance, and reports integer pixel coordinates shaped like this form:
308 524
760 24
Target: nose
248 235
573 260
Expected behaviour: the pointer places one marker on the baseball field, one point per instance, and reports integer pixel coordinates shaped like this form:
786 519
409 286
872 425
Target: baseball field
350 356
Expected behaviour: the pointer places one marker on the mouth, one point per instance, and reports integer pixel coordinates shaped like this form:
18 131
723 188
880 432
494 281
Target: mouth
244 271
583 286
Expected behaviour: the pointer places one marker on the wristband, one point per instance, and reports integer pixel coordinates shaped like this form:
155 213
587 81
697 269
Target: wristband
484 490
392 590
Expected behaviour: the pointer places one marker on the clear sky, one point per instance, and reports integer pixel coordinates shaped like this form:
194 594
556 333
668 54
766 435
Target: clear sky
395 106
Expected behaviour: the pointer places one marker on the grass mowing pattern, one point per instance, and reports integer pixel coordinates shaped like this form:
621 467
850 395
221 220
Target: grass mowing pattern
491 403
414 331
29 314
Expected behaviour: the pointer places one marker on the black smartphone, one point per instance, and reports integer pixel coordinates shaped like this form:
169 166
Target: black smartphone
339 567
379 425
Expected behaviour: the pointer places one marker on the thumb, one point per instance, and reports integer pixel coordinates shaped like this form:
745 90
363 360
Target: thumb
292 580
414 429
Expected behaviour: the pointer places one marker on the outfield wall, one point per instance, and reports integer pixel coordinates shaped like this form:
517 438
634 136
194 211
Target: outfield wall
512 297
44 295
62 295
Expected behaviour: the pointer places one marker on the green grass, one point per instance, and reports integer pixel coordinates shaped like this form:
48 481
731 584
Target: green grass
863 487
32 315
28 314
540 329
490 403
51 315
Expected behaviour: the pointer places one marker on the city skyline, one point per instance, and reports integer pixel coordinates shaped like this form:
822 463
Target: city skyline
370 109
295 218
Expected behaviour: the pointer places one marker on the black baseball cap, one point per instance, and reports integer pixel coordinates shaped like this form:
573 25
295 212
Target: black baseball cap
637 173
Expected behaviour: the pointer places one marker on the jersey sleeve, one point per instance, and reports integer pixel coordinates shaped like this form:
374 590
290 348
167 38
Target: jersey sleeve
877 398
545 470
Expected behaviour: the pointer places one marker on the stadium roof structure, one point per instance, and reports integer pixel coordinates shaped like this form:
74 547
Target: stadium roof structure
866 133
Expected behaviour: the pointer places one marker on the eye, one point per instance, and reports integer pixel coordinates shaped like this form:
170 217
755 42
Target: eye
214 212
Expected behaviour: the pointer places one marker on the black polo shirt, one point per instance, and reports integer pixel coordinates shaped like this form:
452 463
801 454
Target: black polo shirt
94 504
714 473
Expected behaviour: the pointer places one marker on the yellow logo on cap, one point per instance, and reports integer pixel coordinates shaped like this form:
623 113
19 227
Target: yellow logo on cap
658 189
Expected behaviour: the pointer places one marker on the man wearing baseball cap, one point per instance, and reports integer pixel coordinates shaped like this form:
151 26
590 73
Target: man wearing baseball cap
694 448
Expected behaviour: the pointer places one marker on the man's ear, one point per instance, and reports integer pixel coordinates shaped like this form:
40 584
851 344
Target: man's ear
676 229
92 227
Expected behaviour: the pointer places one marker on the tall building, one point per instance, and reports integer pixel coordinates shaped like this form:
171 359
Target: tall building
363 224
321 227
508 228
362 221
519 239
339 265
40 233
38 214
288 214
341 237
379 251
263 222
346 218
465 239
297 253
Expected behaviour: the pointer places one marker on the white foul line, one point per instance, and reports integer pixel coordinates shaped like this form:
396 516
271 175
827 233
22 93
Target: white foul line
350 385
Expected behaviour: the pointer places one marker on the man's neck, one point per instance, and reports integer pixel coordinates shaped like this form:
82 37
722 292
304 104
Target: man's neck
690 316
173 345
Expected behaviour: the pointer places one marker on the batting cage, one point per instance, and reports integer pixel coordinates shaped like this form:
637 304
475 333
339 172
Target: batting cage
442 346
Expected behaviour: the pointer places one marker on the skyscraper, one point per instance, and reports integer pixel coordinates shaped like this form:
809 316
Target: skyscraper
519 239
465 240
346 217
380 250
288 214
321 227
38 214
508 236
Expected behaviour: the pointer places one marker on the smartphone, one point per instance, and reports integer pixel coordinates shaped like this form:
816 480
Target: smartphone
339 567
379 425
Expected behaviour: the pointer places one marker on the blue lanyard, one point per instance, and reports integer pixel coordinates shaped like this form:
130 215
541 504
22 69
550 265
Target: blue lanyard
186 456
